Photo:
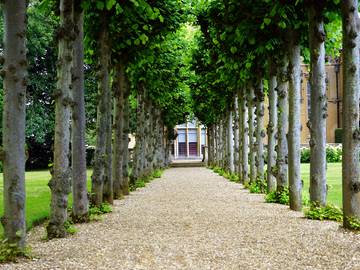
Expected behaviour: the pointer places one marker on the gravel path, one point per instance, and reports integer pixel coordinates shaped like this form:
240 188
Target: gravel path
193 219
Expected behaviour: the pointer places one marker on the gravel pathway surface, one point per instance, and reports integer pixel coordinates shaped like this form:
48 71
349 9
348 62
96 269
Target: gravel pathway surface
192 218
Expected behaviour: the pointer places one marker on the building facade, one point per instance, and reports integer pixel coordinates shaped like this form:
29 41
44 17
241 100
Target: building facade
190 142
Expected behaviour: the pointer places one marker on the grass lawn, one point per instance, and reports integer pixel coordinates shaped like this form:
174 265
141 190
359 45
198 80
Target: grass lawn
37 196
333 180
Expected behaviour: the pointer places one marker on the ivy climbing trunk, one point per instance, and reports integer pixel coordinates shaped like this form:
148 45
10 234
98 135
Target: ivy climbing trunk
294 134
260 133
13 154
244 138
351 132
230 143
80 209
118 129
282 128
236 134
251 122
60 183
318 105
98 176
271 128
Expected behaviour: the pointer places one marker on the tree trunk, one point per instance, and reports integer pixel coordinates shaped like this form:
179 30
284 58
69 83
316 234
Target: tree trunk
125 144
260 133
294 137
218 143
80 209
236 134
60 183
100 159
13 154
271 129
351 132
244 138
118 130
251 122
230 145
318 106
282 151
210 146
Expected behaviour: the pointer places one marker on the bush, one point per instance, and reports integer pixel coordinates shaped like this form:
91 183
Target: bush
10 252
278 197
333 154
257 187
328 212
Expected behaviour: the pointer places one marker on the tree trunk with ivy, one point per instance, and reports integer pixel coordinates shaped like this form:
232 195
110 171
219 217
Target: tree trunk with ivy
282 128
260 133
236 134
80 209
251 123
271 129
318 105
60 183
351 132
244 137
98 176
119 100
294 137
13 152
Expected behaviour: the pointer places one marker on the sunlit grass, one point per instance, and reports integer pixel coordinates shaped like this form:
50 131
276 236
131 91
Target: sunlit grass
37 196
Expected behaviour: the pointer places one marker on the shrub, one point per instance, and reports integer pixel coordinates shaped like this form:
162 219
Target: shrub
278 197
11 252
305 155
257 187
328 212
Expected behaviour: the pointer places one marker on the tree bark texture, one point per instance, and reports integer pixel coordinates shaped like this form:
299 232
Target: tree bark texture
260 133
15 73
318 106
118 130
80 209
244 138
351 132
294 137
251 122
100 158
271 129
282 128
125 138
236 134
60 183
230 145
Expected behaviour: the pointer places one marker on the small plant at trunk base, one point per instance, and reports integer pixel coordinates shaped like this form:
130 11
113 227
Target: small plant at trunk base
70 228
354 223
257 187
278 197
11 252
157 173
328 212
96 212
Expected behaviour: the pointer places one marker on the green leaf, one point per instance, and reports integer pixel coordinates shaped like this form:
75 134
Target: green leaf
99 5
110 4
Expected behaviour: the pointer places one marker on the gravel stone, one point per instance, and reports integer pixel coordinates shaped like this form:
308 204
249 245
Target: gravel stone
192 218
